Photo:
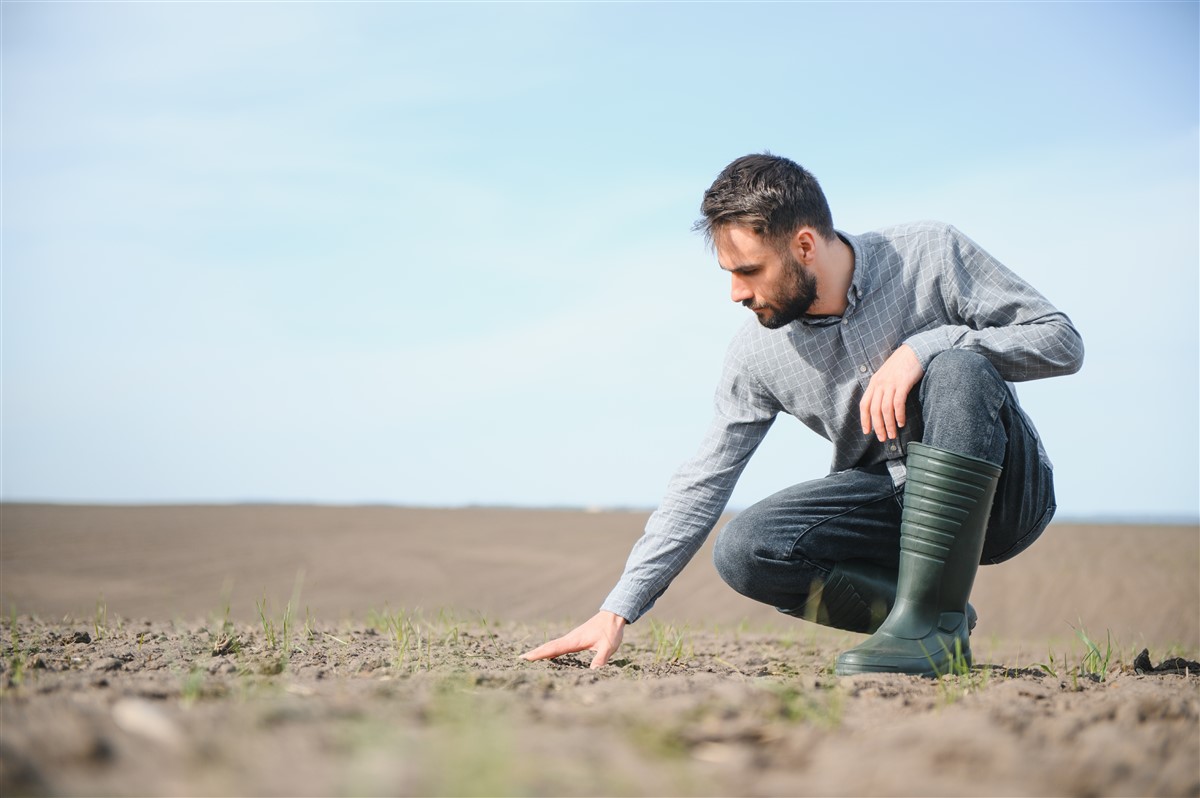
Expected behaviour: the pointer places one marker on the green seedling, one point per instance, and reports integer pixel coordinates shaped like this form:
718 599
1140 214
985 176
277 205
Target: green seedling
289 621
16 660
958 665
1050 666
957 678
100 619
449 625
489 634
670 644
404 628
268 625
226 608
1095 662
286 628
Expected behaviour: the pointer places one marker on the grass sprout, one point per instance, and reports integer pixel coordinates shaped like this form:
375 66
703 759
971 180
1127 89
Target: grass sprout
1050 666
16 659
1095 662
226 606
957 679
286 629
268 625
1094 665
671 643
404 628
100 619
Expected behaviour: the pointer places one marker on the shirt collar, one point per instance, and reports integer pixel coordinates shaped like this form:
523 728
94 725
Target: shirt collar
859 283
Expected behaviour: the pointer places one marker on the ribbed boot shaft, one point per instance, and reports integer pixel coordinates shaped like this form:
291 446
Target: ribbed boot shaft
943 491
947 502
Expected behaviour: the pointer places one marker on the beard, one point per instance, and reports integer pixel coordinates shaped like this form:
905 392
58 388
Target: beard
797 293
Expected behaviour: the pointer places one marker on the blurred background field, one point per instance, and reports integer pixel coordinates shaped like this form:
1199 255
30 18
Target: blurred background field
1139 582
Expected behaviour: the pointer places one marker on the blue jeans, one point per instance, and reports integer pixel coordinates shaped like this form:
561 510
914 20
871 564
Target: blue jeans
776 550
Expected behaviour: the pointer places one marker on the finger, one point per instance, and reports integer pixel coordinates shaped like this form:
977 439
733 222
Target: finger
605 648
888 408
864 412
541 652
877 416
555 648
900 403
603 652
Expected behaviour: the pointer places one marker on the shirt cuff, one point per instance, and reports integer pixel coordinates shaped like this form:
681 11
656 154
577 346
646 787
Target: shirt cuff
626 611
621 601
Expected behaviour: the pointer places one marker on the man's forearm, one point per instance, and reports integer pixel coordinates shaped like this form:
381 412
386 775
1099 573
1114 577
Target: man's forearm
1047 347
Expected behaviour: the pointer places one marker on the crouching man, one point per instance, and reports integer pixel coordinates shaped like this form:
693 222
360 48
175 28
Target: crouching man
899 346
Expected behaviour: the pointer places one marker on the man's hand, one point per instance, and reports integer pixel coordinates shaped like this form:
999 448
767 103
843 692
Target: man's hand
882 406
602 633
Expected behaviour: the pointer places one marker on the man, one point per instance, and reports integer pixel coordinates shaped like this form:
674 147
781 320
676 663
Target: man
899 346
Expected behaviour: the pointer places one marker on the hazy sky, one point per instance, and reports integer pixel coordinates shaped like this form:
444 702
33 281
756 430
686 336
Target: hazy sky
441 253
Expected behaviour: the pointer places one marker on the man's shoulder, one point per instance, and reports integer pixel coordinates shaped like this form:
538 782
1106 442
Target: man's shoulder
910 233
908 246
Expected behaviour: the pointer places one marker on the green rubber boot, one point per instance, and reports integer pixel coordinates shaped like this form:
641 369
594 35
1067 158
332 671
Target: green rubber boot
857 597
946 504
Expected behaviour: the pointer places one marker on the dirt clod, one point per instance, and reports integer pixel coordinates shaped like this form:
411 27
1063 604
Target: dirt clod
1174 665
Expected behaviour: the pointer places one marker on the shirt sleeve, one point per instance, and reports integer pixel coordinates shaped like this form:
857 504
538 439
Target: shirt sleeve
997 314
698 492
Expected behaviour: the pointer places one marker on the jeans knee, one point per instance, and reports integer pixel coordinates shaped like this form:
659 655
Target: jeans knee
733 555
962 397
958 368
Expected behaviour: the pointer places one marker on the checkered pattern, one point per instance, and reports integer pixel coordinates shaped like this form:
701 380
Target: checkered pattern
923 284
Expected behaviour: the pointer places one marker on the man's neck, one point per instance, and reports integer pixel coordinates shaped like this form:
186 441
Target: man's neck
834 269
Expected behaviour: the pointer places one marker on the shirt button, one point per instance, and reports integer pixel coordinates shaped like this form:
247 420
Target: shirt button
863 369
892 447
845 321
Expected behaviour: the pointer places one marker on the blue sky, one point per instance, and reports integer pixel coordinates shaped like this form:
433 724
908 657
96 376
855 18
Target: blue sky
440 254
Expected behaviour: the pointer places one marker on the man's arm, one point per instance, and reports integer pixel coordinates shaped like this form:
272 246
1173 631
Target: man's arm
694 501
999 315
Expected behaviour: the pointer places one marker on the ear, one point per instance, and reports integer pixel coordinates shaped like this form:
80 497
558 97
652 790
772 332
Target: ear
803 245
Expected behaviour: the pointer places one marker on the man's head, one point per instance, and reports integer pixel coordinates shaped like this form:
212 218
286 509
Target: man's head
768 221
773 282
770 195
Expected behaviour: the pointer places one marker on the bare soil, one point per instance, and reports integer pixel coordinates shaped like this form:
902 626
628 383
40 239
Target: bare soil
365 694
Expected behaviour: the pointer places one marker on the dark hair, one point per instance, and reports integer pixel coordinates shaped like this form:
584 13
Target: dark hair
772 196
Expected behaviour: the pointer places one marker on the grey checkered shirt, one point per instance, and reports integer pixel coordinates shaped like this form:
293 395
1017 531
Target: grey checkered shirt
926 285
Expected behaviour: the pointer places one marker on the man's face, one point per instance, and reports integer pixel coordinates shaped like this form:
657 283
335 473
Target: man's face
769 281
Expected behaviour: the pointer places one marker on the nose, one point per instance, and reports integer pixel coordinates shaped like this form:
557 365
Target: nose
738 290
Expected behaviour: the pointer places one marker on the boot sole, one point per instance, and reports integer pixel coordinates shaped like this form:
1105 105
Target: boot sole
905 665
